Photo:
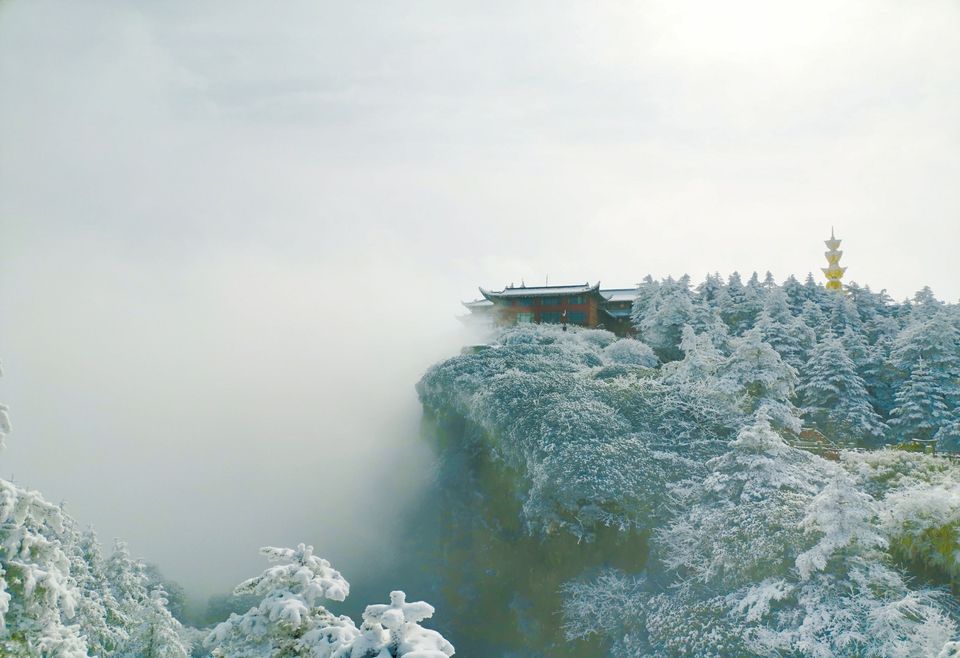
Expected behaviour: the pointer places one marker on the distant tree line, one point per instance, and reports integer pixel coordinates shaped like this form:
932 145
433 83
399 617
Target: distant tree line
869 370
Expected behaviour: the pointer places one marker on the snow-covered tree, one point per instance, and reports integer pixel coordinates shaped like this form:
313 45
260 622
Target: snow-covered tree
777 553
842 314
845 519
99 615
795 293
921 409
761 380
158 634
815 292
870 362
788 335
291 621
664 318
834 397
59 598
38 596
701 359
936 340
924 305
711 291
876 310
814 317
646 290
405 636
769 282
948 436
127 582
742 304
745 516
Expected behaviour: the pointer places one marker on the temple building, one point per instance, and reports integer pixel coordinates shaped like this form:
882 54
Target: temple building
583 305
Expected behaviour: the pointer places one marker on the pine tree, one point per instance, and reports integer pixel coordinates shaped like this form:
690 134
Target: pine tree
701 359
158 634
814 292
924 305
709 297
762 381
814 317
875 309
127 582
98 612
948 436
406 636
742 304
842 314
790 336
920 410
38 596
290 620
834 397
937 341
646 290
796 294
662 323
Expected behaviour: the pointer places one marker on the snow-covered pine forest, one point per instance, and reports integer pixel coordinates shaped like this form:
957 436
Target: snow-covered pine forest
698 527
604 496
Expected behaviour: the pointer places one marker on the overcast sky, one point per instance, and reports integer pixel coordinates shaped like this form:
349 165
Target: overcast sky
234 234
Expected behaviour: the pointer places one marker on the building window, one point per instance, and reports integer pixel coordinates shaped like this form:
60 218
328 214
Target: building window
576 299
550 301
577 317
524 318
550 317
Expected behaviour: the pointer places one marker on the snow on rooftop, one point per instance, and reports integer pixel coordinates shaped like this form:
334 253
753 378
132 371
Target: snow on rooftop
610 294
619 294
538 291
478 303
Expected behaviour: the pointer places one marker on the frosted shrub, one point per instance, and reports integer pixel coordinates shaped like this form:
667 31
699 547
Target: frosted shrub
627 351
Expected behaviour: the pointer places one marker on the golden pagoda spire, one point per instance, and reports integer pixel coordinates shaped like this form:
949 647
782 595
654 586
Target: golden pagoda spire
833 271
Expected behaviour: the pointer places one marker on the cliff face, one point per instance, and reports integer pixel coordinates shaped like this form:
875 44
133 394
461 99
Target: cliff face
500 585
540 480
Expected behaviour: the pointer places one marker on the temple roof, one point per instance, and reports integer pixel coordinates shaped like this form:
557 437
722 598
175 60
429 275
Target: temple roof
620 294
478 304
540 291
510 292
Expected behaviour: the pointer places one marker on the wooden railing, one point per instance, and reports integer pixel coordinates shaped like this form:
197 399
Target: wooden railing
814 441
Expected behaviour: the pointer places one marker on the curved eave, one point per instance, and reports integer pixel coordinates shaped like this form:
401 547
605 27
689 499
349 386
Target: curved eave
477 304
618 314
